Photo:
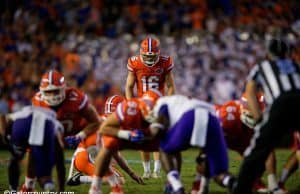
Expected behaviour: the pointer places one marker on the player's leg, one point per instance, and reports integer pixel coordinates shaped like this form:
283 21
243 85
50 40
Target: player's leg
112 178
288 169
145 156
271 172
117 172
20 133
292 163
240 146
280 120
216 154
101 168
173 176
201 181
157 165
30 178
60 166
267 133
176 139
178 161
14 165
13 173
110 146
43 157
44 167
83 165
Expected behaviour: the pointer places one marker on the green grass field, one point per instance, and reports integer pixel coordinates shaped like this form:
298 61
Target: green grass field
155 186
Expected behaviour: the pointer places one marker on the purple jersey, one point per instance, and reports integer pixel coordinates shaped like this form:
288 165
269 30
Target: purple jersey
36 129
193 124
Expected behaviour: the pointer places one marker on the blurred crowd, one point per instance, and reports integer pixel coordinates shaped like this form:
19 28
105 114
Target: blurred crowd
213 43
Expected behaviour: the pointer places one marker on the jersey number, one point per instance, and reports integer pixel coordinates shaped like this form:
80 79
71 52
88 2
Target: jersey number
68 125
131 110
230 110
151 82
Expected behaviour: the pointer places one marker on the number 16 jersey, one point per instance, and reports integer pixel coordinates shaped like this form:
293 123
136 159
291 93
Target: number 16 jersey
150 77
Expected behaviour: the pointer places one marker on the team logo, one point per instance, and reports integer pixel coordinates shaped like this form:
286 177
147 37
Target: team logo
158 71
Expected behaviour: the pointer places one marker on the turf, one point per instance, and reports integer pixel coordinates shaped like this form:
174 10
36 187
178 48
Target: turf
155 186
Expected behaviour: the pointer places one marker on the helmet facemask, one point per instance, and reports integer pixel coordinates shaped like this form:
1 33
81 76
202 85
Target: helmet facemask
53 97
246 116
247 119
149 58
149 51
52 88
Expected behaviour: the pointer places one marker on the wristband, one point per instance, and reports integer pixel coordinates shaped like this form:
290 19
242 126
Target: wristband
123 134
157 125
81 135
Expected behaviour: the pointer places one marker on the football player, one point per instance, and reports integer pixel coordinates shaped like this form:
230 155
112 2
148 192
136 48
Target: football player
83 159
74 111
37 129
122 130
237 124
149 70
181 123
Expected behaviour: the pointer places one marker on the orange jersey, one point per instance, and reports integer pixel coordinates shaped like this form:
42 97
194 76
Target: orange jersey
229 115
130 116
91 140
150 77
69 111
237 135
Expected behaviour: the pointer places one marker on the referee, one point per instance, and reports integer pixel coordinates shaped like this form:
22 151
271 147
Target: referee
279 78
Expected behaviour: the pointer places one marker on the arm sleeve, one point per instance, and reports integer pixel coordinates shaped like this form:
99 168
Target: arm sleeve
253 73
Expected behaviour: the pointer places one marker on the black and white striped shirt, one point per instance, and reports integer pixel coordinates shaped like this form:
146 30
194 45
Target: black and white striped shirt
276 77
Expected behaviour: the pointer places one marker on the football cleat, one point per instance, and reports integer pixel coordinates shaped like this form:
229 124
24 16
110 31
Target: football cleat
156 175
74 180
168 189
94 190
24 189
117 190
180 191
121 180
146 175
259 186
282 187
277 191
195 187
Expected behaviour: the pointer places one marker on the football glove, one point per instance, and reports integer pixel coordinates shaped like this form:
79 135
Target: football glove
72 141
136 136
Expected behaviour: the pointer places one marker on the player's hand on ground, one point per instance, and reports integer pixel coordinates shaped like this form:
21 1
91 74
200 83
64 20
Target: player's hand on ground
137 178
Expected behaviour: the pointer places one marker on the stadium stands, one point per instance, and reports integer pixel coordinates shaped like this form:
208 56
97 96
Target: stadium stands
213 43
